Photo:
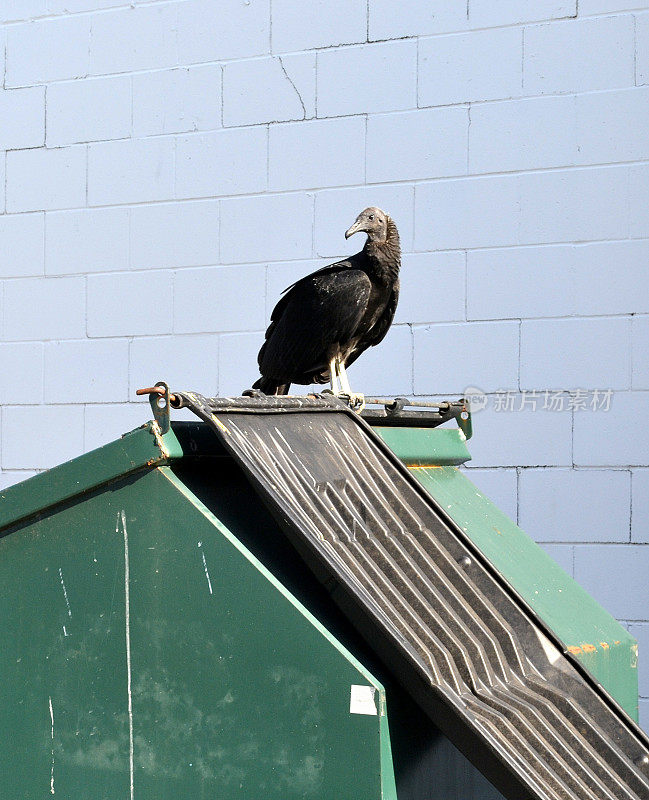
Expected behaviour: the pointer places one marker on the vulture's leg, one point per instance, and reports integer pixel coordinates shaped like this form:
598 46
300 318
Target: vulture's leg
356 400
334 377
344 380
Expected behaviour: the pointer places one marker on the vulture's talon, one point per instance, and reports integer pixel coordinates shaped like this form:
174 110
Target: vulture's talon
355 400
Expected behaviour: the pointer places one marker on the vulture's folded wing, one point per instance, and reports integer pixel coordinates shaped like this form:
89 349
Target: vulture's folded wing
379 330
318 311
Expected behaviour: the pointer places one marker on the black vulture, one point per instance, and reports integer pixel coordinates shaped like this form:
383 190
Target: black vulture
327 319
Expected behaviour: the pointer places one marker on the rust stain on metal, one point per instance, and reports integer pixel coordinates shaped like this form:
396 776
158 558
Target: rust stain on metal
588 648
575 650
604 645
499 532
155 430
159 390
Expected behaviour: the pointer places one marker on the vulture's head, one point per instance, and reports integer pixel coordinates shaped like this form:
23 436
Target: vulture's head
373 222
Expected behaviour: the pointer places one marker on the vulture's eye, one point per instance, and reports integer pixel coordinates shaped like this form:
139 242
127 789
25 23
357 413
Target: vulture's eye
371 216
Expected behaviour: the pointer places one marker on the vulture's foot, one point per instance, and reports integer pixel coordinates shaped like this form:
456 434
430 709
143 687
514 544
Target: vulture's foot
355 400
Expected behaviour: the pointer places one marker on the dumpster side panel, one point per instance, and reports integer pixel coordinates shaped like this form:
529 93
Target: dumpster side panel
425 446
62 659
146 654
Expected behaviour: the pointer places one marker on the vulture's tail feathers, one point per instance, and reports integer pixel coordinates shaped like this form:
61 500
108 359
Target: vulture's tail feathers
270 386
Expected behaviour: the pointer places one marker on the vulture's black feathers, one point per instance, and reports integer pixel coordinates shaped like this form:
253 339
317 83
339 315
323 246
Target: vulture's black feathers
327 319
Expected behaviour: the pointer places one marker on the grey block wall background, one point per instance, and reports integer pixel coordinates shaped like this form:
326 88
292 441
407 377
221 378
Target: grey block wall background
168 167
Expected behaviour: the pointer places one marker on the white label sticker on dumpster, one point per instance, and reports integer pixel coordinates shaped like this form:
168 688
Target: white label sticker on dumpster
361 700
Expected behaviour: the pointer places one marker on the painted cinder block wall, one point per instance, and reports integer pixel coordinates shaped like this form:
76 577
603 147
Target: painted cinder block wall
168 167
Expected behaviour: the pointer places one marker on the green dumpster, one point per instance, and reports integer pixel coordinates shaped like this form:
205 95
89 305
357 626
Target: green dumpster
163 639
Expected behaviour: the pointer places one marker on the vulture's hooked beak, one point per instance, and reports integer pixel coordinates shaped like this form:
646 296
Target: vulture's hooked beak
355 228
